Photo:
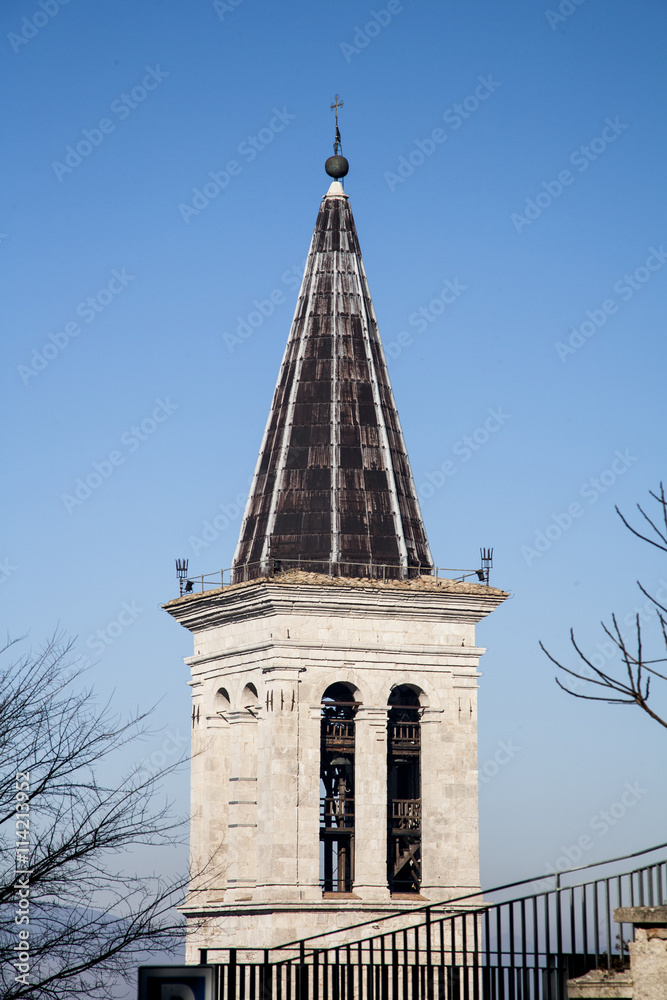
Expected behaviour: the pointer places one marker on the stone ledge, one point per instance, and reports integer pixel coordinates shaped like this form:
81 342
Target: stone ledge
641 915
601 984
424 599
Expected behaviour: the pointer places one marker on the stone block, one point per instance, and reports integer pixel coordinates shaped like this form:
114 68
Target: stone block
601 985
648 952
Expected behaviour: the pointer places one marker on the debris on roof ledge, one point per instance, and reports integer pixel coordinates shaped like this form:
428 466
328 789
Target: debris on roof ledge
300 578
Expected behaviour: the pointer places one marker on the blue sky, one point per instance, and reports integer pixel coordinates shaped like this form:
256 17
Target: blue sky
531 147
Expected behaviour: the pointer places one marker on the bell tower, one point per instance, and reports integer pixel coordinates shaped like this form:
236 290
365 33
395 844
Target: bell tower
334 678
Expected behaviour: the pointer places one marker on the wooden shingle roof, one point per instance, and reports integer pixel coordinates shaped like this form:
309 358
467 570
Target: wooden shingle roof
333 485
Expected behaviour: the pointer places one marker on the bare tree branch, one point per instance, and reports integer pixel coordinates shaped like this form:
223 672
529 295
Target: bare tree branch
82 919
635 688
662 500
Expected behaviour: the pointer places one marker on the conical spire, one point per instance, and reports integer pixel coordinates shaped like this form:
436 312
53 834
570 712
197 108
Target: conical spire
333 490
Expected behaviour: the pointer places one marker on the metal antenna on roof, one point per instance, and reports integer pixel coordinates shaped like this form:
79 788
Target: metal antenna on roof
487 562
334 107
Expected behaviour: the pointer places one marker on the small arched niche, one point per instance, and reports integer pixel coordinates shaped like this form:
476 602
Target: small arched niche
249 697
222 703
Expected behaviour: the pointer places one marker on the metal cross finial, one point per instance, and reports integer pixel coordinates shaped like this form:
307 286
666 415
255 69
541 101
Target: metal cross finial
334 107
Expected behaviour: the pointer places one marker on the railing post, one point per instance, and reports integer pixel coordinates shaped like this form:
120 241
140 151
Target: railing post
561 970
429 960
231 975
265 978
302 978
559 925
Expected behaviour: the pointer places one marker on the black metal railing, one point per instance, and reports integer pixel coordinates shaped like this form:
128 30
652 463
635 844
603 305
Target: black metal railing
200 582
469 948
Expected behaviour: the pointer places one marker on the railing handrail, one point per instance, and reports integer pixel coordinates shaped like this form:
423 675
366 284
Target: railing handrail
346 725
528 947
405 806
405 725
473 896
377 571
341 804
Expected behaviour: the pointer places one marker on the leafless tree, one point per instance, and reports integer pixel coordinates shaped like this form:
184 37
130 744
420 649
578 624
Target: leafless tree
72 916
633 686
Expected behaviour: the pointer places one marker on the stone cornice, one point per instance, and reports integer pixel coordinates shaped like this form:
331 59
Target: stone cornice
393 907
358 657
447 601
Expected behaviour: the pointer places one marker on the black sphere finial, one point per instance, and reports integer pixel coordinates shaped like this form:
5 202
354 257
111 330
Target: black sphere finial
337 166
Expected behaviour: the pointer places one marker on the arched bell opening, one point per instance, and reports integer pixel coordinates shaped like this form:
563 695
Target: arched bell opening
339 706
404 812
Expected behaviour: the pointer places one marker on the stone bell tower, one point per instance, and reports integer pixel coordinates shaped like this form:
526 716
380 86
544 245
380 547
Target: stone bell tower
334 679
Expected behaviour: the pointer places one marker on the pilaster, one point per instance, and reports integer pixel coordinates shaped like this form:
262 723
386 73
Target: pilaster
279 780
241 853
370 865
